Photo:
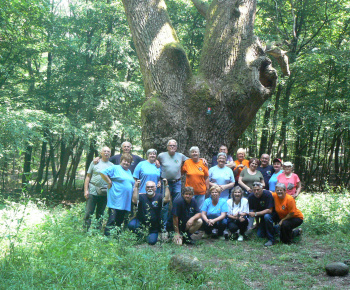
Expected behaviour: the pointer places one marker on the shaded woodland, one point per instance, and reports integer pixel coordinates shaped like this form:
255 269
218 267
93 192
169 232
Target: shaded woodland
70 82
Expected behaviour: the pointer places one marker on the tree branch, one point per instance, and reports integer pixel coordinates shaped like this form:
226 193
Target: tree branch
201 6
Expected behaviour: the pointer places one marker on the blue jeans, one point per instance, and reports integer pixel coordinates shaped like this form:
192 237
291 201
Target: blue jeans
220 225
266 229
200 200
175 192
134 226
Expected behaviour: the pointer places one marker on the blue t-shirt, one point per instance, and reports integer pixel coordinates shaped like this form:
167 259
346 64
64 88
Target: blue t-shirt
221 176
146 171
273 180
216 210
120 194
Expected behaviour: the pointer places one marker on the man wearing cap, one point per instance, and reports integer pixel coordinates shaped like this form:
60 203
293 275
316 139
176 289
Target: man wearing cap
261 204
266 169
277 166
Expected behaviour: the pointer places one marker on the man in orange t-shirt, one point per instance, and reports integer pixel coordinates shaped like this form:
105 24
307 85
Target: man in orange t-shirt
241 163
290 217
197 175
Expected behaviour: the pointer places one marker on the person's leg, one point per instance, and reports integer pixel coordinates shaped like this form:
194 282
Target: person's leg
89 210
268 220
200 200
112 213
152 238
120 217
242 226
195 226
133 225
100 209
287 227
232 226
221 226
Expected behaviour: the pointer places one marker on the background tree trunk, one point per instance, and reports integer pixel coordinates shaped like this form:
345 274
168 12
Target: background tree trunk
234 80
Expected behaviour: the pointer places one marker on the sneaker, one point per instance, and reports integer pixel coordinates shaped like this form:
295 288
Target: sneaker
165 236
240 238
269 243
215 232
226 234
222 238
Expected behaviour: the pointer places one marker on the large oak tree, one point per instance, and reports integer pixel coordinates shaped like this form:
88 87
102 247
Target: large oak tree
235 76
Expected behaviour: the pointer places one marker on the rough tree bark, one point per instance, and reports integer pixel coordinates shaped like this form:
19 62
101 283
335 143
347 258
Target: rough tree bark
234 80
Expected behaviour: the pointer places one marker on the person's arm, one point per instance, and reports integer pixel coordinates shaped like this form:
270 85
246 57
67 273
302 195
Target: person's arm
297 192
204 216
176 224
243 185
135 194
227 186
86 185
205 162
96 160
207 183
219 218
231 165
260 213
167 191
107 179
288 216
262 181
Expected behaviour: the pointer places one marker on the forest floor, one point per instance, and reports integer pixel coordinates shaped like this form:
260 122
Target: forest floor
47 248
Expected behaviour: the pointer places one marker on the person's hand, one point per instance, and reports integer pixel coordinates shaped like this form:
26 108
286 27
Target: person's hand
205 162
177 239
241 219
109 185
250 190
137 183
159 184
96 160
157 163
240 166
251 214
280 223
165 181
235 216
211 222
86 194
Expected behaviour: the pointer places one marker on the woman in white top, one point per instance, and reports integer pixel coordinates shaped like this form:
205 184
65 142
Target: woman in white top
238 209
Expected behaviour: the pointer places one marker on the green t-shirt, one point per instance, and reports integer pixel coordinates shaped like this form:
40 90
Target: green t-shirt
249 179
96 179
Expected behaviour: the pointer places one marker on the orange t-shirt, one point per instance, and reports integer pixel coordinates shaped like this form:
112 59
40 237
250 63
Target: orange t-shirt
196 173
285 206
245 162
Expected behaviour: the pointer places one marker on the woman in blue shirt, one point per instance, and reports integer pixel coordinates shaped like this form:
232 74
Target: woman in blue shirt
120 186
148 171
214 210
277 166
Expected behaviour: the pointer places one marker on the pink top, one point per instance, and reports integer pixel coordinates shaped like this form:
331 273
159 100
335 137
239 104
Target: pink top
290 183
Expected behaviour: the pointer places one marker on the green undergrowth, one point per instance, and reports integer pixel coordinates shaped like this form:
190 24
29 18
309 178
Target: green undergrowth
45 248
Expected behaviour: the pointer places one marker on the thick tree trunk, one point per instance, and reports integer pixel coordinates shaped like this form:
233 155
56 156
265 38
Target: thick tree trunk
234 81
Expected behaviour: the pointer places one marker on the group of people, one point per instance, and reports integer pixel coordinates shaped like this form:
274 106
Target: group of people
221 202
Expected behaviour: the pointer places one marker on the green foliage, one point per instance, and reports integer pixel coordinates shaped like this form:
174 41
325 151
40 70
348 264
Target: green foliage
50 249
326 212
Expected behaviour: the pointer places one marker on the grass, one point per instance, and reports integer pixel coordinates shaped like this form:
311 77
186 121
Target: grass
47 249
